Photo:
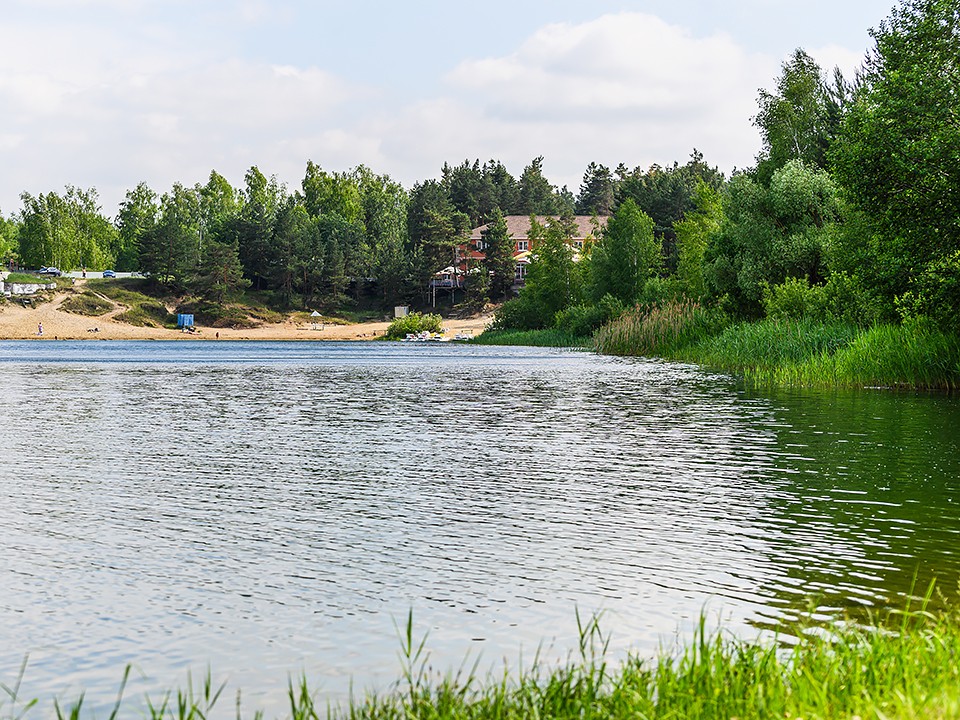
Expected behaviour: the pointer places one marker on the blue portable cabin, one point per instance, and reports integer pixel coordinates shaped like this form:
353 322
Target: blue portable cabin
184 320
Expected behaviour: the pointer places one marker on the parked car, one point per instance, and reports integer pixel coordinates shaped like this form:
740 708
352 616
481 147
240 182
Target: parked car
109 274
51 271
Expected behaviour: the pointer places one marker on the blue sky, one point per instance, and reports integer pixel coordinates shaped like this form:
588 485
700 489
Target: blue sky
108 93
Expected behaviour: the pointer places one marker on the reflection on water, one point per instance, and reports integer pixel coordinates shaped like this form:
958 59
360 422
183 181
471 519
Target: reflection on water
267 508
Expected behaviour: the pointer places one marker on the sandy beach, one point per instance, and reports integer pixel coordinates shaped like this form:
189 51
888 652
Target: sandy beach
21 323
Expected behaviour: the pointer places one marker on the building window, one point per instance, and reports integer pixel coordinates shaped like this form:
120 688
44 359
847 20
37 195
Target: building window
578 244
523 245
521 272
481 245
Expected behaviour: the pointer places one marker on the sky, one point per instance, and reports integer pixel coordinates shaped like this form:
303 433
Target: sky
106 94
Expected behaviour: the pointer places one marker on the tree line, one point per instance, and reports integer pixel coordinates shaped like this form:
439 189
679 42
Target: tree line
852 210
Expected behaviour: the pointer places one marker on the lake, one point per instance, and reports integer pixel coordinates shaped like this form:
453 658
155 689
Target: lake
270 509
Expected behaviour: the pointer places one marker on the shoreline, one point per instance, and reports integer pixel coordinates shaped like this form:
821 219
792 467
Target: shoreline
22 323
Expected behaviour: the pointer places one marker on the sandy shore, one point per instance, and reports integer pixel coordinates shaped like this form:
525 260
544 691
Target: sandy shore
20 323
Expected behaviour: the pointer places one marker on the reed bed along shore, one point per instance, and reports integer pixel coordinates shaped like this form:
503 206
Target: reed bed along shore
533 338
904 667
800 353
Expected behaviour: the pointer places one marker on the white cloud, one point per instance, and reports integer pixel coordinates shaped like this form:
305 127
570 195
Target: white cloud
623 88
96 106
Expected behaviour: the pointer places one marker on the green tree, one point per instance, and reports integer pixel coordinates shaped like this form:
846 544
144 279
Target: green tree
219 275
693 238
9 229
627 255
898 154
598 191
137 216
498 263
799 120
770 234
554 280
170 249
67 231
537 195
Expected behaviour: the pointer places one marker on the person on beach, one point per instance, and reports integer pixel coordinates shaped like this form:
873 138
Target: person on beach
40 328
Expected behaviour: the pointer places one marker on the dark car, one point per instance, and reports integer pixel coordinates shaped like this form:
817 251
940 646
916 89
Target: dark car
109 274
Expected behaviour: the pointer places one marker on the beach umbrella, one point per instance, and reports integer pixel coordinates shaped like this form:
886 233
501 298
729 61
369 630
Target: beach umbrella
315 315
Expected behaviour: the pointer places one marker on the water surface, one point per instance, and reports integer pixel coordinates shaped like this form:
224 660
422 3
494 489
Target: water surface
270 508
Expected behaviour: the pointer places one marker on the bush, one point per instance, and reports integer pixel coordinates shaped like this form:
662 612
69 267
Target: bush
517 314
584 320
412 324
794 299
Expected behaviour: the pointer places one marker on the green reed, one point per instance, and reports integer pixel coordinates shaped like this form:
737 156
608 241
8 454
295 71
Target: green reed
662 331
770 344
533 338
901 665
914 356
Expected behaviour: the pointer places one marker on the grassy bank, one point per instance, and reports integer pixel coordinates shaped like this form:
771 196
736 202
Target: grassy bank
908 670
533 338
799 353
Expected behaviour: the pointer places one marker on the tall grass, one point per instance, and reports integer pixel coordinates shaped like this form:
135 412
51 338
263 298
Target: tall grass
904 665
535 338
915 356
770 344
662 331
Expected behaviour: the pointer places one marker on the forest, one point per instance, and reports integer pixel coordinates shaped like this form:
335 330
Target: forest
850 213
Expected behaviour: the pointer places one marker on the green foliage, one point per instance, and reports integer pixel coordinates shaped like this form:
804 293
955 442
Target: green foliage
794 299
598 191
896 157
913 355
536 195
498 260
627 255
770 344
937 294
842 298
554 280
800 119
66 231
220 275
87 303
544 337
518 314
667 194
662 331
583 320
412 324
770 234
693 237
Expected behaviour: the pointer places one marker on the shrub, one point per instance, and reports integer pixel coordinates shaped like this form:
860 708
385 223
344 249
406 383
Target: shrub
584 320
518 314
414 323
794 299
